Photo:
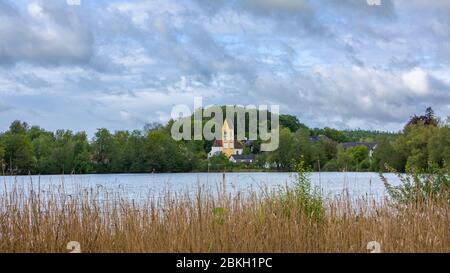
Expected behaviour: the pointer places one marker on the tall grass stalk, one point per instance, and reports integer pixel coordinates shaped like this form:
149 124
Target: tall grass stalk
45 221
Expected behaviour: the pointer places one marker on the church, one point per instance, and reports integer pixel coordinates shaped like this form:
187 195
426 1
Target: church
227 145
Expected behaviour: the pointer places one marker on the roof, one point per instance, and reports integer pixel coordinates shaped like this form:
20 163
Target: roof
244 157
318 138
248 142
369 145
237 145
219 143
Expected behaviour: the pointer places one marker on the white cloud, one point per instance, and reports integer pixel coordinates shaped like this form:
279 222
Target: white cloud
121 64
47 34
417 81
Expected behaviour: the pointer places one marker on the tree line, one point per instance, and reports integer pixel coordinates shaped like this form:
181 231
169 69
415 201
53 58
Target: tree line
423 143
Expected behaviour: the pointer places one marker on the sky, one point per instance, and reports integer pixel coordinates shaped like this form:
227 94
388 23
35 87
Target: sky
120 64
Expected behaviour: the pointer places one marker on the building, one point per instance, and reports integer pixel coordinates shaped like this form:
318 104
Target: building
251 158
370 146
315 139
227 145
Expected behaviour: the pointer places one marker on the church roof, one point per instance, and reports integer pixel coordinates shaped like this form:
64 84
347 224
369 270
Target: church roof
218 143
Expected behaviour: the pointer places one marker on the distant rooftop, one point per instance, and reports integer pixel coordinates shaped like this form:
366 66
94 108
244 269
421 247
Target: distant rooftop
244 157
369 145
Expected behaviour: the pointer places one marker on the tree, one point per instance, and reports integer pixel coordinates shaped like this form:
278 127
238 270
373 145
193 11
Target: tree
18 152
82 160
118 150
2 160
333 134
152 126
428 119
282 157
101 150
385 155
345 160
43 145
219 162
63 151
18 127
163 154
291 122
134 154
439 147
322 152
412 146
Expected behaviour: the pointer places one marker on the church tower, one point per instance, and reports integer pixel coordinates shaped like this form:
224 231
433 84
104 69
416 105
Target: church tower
228 138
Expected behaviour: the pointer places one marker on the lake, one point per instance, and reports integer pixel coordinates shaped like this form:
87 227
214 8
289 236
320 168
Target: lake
141 186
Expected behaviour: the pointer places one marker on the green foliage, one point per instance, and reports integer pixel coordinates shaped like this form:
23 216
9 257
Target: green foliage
18 152
352 159
331 133
2 154
385 154
165 154
439 147
367 136
26 150
307 198
417 187
219 162
102 149
282 157
218 215
412 146
292 123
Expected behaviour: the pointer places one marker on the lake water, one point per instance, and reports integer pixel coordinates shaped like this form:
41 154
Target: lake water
141 186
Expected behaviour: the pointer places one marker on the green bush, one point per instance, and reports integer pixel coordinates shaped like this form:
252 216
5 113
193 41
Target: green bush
306 197
417 187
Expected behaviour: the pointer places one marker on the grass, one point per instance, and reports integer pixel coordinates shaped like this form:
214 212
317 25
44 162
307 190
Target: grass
35 221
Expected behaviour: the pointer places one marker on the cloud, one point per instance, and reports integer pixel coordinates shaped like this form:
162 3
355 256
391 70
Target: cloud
275 6
416 80
119 64
46 33
3 107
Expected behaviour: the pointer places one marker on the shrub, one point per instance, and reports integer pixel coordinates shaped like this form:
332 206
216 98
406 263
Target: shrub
309 199
417 187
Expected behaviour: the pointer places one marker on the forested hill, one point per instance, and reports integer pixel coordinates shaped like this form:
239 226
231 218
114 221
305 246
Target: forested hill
293 124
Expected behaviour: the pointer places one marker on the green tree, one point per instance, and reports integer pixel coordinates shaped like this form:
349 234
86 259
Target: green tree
43 145
135 154
385 155
163 154
439 147
102 150
323 151
2 159
412 146
282 157
81 150
219 162
18 152
333 134
291 122
63 152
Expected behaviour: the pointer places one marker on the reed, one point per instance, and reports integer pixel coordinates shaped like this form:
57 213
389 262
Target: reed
33 220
